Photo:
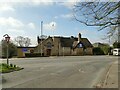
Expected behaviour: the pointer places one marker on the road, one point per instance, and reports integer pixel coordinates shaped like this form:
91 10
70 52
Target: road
58 72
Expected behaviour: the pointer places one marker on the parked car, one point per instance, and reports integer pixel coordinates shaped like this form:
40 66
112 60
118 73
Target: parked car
116 51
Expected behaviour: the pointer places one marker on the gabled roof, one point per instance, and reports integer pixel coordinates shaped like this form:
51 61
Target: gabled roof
67 41
75 43
84 41
39 39
71 41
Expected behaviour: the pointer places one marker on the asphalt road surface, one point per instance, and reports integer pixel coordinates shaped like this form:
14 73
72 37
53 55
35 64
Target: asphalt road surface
58 72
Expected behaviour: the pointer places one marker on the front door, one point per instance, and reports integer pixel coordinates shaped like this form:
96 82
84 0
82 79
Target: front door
48 52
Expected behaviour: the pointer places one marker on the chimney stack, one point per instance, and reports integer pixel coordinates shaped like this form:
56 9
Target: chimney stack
79 37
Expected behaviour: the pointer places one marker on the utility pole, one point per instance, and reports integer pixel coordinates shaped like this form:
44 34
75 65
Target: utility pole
7 39
109 45
41 36
109 39
53 27
58 48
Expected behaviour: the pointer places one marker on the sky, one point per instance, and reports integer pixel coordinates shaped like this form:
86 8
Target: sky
23 18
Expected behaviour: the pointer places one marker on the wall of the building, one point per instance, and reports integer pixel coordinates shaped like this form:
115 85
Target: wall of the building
81 51
65 51
56 48
21 53
38 49
89 51
77 51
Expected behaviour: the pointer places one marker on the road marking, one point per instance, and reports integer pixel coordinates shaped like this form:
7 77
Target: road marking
42 68
53 74
80 70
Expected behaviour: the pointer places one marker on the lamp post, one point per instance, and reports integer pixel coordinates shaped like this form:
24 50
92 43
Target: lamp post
41 36
7 39
109 43
53 27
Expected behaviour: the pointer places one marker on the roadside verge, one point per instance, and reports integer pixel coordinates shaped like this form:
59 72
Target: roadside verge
110 78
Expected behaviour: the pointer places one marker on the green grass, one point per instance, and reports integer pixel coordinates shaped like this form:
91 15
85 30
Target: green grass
4 68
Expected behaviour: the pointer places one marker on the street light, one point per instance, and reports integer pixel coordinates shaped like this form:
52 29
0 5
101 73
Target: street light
53 27
7 39
41 36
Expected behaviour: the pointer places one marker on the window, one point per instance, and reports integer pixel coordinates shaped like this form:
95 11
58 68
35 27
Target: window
49 45
80 45
115 50
118 50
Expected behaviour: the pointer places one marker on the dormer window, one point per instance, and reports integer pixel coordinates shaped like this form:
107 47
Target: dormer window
80 45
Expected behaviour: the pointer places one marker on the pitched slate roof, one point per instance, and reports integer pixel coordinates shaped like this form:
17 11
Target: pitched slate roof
84 41
75 43
67 41
39 39
71 41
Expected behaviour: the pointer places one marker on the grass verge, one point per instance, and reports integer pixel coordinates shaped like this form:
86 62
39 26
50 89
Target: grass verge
5 68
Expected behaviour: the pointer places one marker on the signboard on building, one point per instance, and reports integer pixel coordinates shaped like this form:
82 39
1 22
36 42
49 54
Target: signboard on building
24 50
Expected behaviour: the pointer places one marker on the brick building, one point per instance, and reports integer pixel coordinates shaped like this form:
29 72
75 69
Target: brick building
53 46
60 46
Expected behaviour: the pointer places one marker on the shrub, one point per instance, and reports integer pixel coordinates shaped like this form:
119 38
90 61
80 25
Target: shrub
116 44
14 66
98 51
11 65
5 68
33 54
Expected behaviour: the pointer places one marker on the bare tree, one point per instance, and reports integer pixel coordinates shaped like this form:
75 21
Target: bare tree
105 15
27 42
23 42
20 41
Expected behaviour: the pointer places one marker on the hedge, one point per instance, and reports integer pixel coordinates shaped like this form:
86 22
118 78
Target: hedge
98 51
33 54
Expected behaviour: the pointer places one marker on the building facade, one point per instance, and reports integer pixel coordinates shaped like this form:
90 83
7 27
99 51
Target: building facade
21 51
62 46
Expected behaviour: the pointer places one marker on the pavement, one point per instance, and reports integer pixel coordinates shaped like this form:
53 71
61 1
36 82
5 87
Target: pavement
111 79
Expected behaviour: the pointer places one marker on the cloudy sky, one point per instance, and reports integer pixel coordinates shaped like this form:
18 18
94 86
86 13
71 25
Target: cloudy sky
23 18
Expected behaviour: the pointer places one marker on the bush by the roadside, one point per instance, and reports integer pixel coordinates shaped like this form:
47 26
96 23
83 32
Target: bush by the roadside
106 50
5 68
98 51
33 54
